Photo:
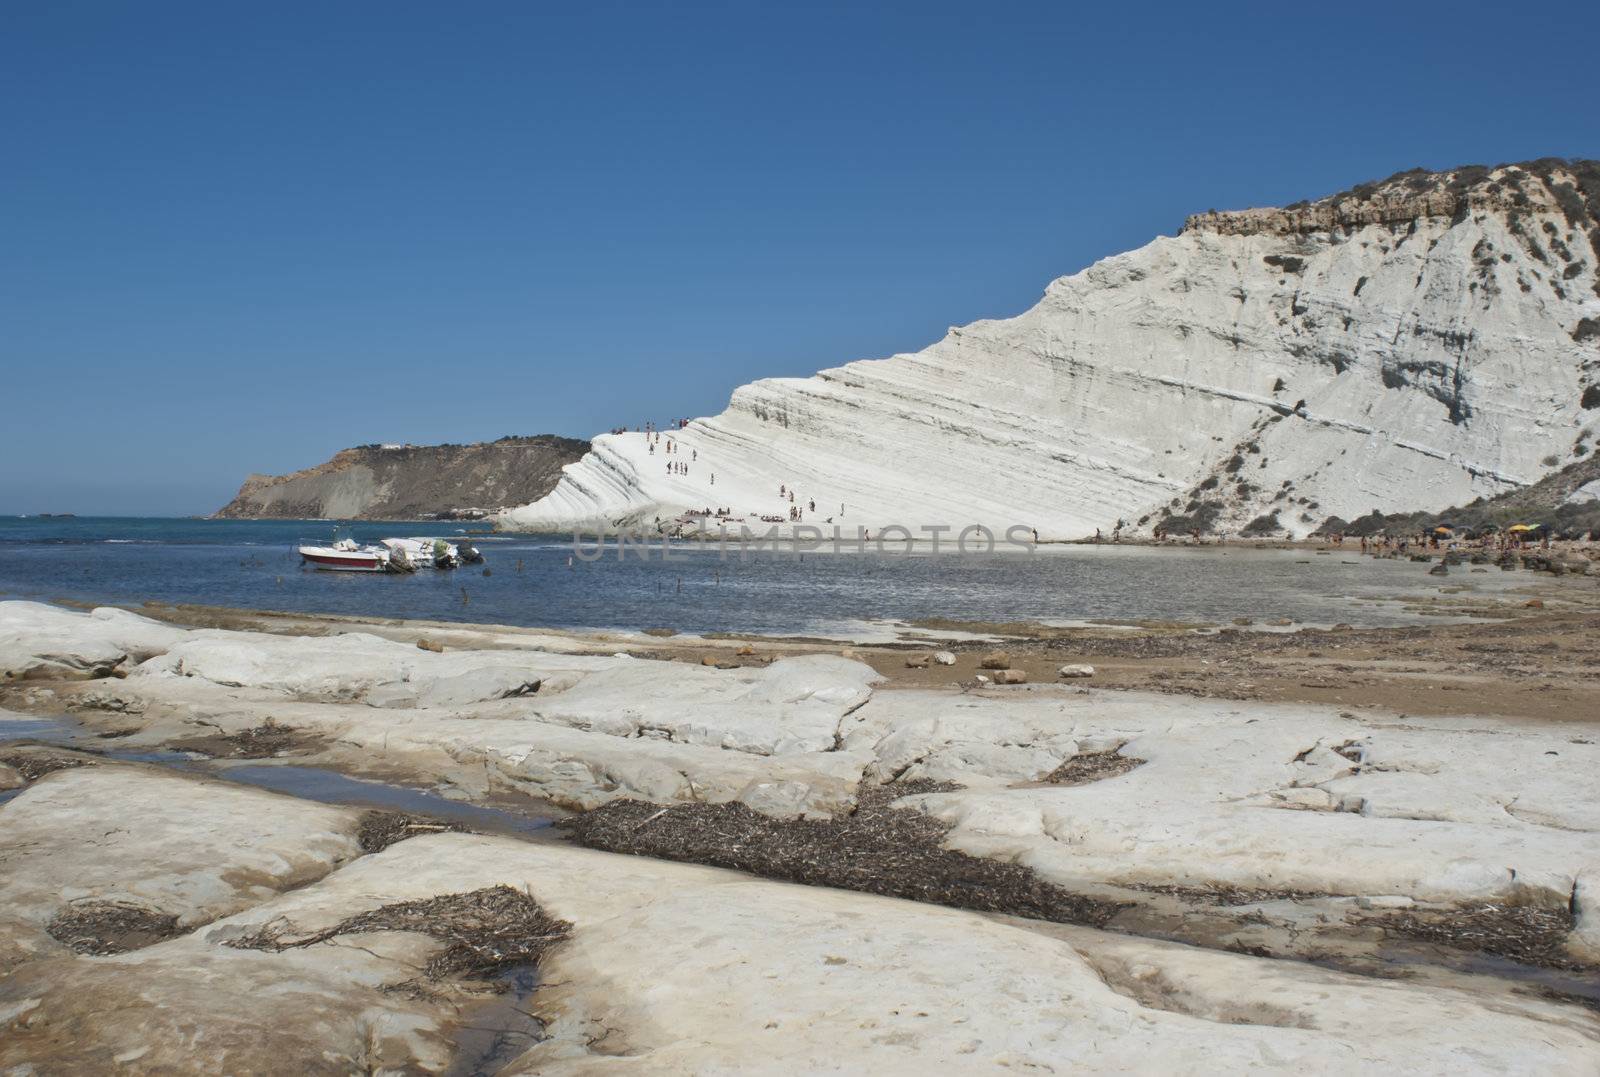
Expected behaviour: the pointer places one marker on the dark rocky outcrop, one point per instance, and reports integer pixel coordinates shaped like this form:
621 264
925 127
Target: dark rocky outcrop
408 482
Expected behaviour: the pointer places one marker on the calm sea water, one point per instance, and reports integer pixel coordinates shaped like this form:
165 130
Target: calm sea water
534 580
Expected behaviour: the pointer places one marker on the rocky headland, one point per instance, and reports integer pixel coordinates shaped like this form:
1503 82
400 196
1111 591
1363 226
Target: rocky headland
409 482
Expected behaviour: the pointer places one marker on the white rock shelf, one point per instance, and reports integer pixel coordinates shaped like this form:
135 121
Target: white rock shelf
677 969
1321 820
1245 796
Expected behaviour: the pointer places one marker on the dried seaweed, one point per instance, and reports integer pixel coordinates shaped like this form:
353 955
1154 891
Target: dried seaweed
485 932
1086 767
1221 894
381 829
261 742
876 849
33 766
110 927
1533 935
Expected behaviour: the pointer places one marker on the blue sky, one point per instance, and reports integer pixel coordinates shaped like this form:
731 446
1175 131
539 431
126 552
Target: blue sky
237 238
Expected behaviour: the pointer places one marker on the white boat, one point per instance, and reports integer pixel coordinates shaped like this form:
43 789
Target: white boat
437 552
424 551
346 556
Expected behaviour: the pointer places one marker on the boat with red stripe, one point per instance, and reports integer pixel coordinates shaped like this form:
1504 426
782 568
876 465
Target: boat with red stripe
346 556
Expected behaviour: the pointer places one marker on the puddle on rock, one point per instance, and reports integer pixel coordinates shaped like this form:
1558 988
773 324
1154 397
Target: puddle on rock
1572 985
43 730
308 783
495 1031
331 787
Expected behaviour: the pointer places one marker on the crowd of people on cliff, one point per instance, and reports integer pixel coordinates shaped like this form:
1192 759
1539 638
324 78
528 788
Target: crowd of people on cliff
669 446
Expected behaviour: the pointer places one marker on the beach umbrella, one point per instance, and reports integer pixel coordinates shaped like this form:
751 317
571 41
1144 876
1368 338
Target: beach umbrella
1443 529
1520 527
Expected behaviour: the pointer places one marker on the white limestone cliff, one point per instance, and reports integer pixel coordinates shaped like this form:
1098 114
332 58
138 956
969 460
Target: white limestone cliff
1408 345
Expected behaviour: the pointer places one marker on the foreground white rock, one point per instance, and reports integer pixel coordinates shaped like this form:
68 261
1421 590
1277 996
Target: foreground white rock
180 848
41 640
1413 346
576 729
793 705
1263 802
674 969
789 980
497 746
1252 796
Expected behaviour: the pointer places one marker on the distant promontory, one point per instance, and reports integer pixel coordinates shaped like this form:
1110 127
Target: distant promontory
407 482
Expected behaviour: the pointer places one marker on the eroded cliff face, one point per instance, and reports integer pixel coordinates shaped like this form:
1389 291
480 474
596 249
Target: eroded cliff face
1549 185
402 482
1414 343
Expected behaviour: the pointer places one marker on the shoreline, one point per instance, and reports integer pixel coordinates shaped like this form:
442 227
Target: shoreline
1526 652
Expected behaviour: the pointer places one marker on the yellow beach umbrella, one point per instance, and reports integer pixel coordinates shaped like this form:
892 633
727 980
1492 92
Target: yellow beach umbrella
1521 527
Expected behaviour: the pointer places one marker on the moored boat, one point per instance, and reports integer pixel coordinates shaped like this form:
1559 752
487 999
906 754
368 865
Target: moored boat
346 556
438 552
424 551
